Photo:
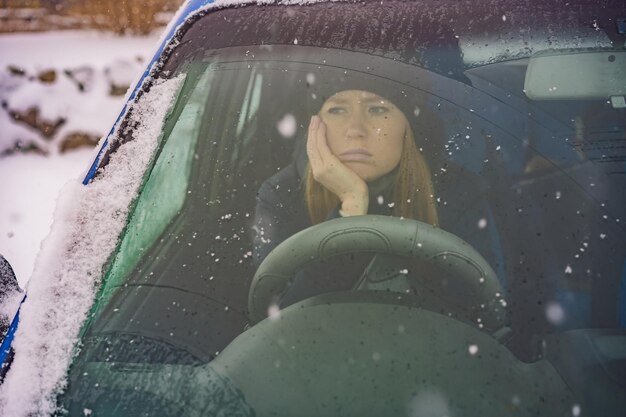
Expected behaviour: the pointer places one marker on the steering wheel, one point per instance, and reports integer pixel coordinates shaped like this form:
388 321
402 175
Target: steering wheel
380 235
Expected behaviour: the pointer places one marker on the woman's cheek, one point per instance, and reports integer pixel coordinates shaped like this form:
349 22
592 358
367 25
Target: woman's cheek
332 141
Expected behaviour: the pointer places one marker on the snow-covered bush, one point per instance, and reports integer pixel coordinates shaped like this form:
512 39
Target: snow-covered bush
123 16
56 109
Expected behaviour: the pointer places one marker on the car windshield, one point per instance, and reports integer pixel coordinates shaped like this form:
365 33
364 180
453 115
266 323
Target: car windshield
490 277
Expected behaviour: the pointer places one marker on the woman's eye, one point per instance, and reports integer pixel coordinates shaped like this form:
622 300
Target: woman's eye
378 109
336 110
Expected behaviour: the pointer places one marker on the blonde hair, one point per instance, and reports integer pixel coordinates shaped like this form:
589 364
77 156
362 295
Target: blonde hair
412 190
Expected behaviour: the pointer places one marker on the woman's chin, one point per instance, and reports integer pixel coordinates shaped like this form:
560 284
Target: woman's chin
361 170
365 172
367 176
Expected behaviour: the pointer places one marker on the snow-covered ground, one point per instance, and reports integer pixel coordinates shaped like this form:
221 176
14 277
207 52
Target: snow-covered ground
29 182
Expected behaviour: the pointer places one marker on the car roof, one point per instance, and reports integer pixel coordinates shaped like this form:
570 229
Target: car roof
489 31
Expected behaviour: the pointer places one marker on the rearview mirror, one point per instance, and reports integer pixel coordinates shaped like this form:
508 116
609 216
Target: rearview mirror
577 74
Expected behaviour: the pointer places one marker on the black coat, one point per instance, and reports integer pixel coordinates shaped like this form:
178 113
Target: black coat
281 212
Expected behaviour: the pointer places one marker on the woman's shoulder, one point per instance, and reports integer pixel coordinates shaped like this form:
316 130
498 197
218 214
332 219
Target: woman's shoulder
284 186
286 178
280 201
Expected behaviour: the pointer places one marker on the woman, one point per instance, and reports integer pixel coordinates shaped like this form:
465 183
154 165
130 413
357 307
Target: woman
359 142
362 159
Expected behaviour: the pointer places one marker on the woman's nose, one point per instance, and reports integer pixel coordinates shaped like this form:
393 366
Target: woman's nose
356 128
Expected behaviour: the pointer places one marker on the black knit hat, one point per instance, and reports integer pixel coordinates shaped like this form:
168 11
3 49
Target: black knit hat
321 90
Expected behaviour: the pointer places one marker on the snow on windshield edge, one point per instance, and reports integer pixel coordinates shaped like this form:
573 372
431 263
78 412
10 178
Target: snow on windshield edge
87 223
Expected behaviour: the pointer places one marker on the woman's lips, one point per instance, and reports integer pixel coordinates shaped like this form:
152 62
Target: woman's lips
355 155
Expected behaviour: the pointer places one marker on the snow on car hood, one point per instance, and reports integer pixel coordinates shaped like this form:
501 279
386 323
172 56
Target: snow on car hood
87 223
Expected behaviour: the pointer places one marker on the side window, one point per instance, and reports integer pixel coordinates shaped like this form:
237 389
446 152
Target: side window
169 177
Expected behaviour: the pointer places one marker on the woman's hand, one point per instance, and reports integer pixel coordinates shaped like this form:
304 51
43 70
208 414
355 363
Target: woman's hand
329 171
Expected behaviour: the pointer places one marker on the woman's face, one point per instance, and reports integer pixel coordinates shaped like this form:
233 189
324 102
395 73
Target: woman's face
365 131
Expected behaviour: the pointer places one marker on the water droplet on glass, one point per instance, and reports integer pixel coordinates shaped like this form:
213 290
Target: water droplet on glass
555 313
273 311
428 402
287 125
